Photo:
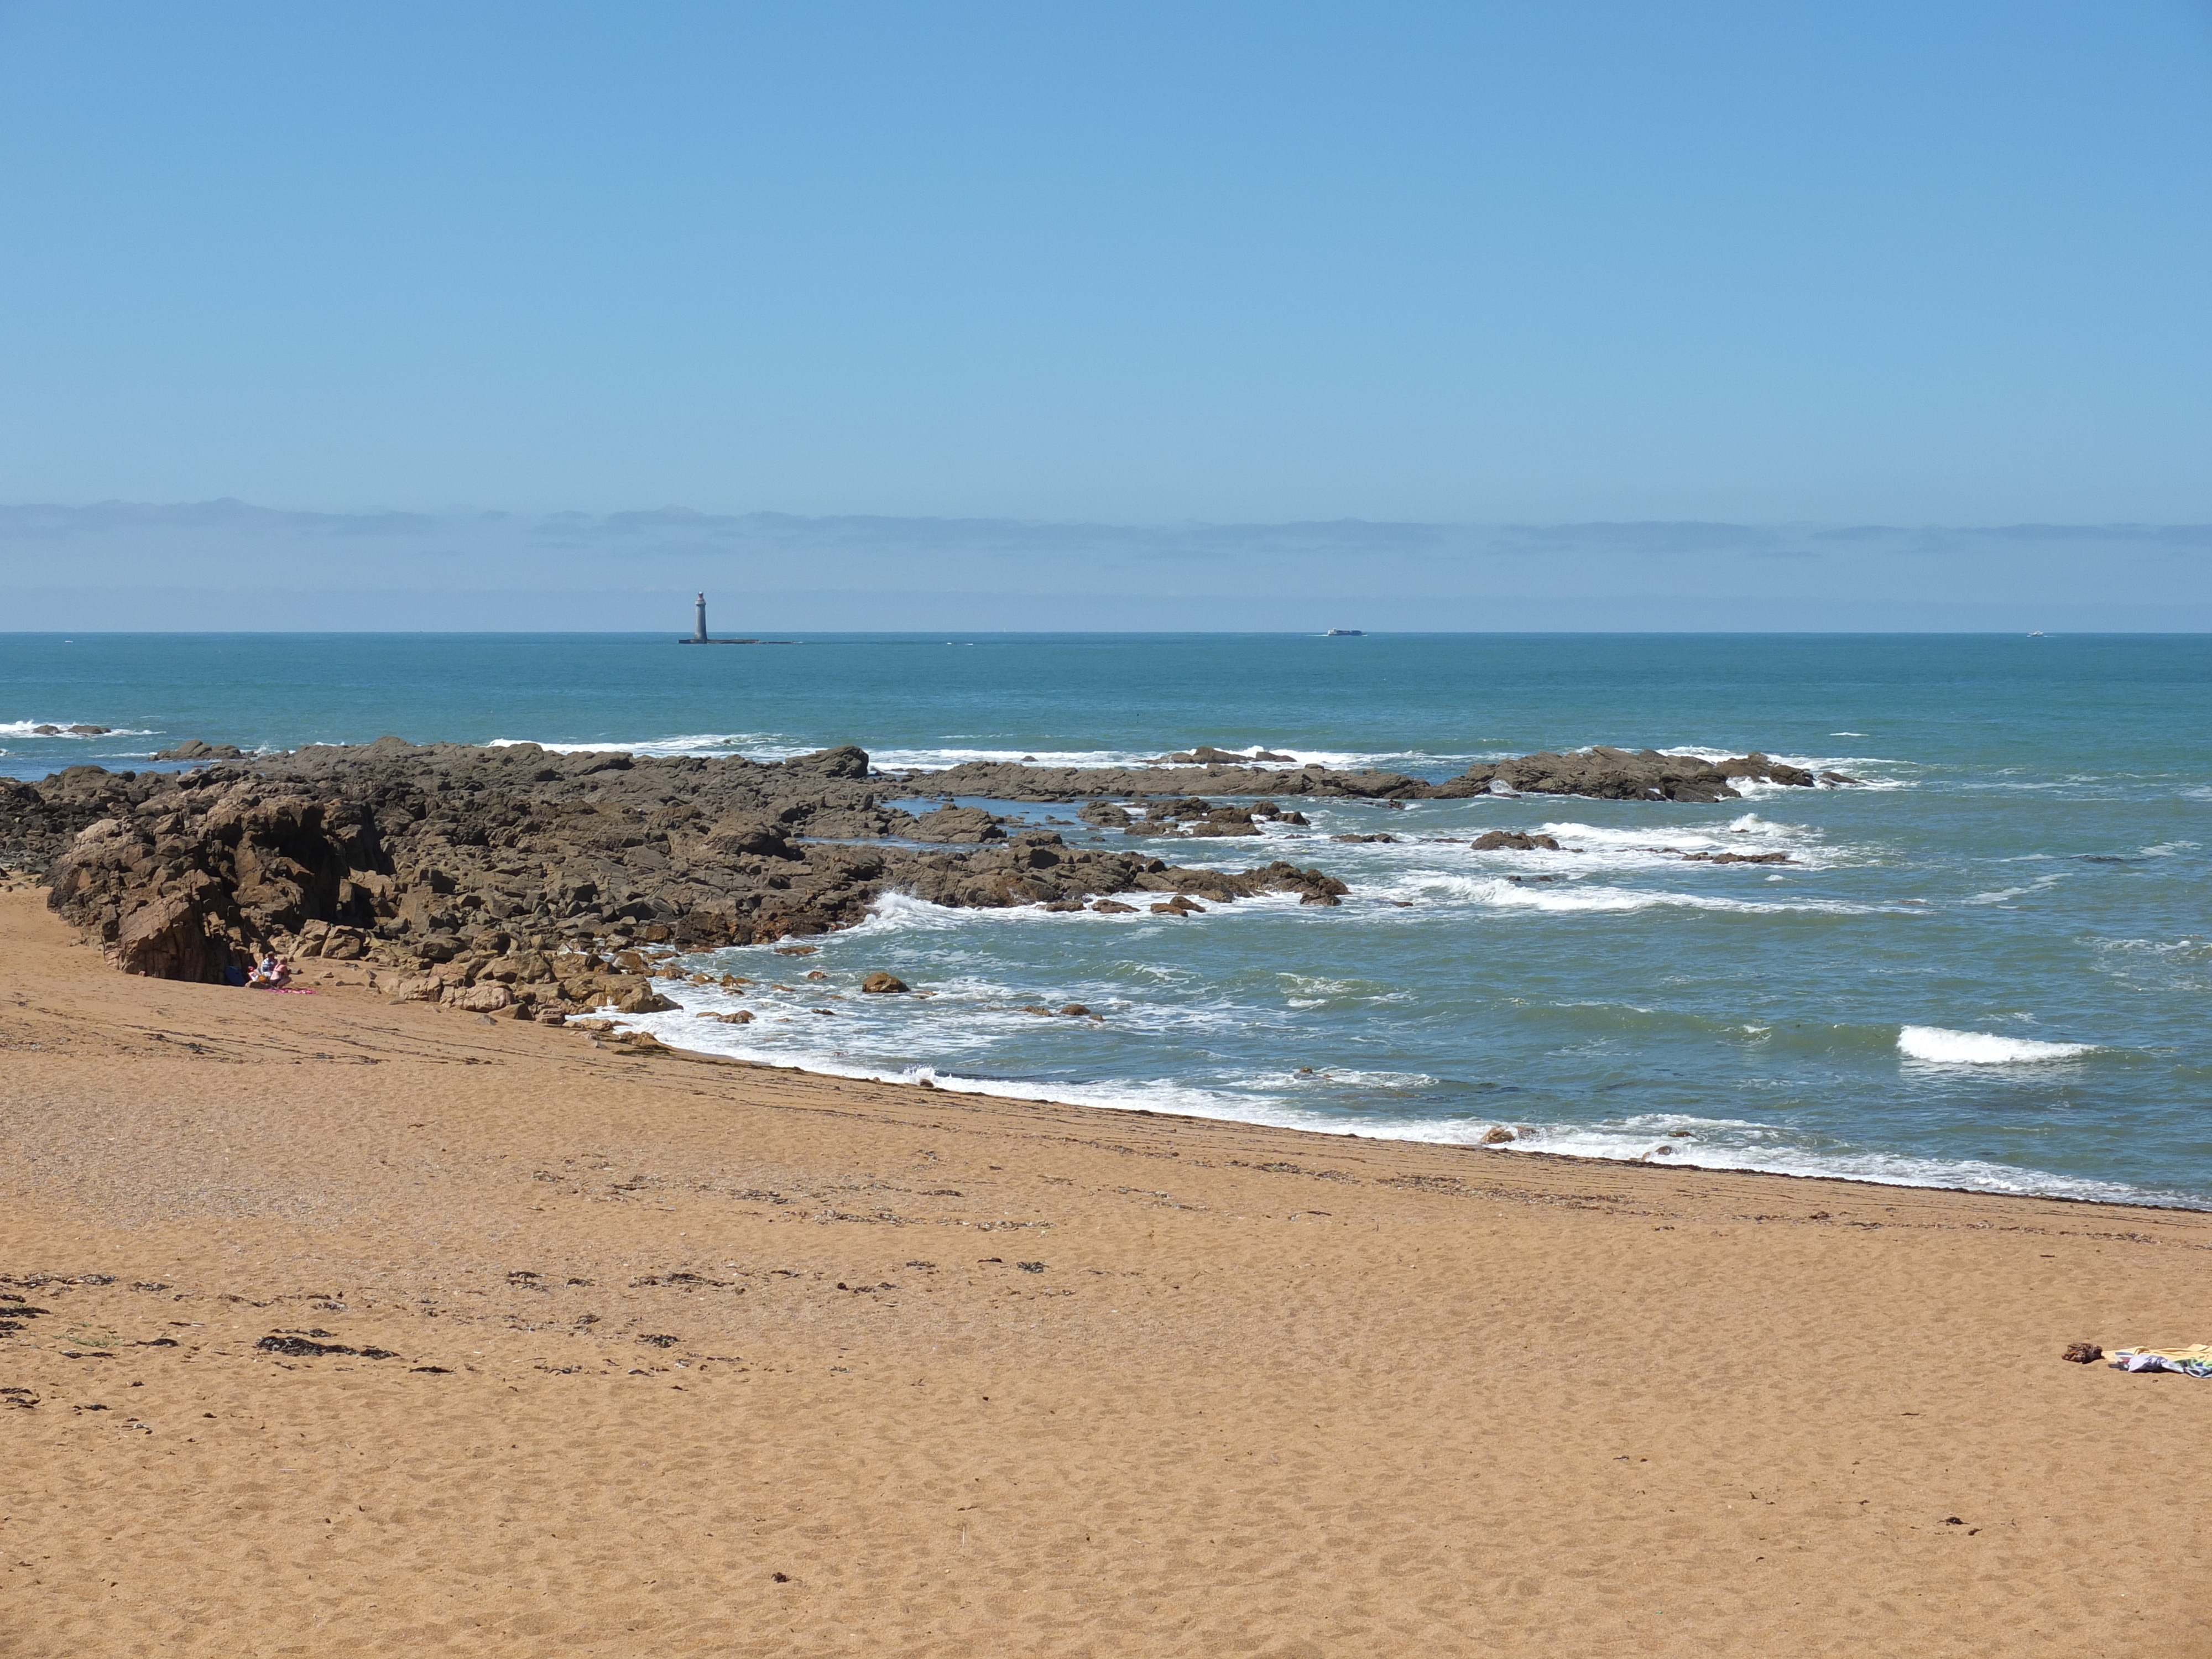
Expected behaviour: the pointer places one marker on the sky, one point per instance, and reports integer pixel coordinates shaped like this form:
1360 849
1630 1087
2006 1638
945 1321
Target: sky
1750 264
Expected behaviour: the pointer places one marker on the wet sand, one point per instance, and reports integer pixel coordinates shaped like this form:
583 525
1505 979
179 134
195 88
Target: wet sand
688 1357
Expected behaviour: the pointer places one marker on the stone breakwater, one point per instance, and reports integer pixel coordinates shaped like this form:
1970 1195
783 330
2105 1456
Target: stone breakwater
515 879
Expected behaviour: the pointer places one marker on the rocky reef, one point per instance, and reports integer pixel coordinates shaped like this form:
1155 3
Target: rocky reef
1600 773
518 878
515 879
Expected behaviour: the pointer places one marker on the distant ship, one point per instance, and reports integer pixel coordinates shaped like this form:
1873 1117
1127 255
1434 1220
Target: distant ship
1345 634
2038 635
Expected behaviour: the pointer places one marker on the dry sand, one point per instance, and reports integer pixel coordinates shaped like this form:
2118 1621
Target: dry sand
691 1358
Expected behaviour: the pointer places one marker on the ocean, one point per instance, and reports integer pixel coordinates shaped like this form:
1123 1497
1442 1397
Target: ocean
1987 969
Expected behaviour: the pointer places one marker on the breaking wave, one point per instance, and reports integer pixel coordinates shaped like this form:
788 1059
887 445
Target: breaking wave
30 729
1933 1046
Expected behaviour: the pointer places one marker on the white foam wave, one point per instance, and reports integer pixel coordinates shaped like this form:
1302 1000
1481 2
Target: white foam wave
937 759
1721 1144
1860 767
2003 895
1600 898
29 729
1643 848
1935 1046
772 746
902 912
753 746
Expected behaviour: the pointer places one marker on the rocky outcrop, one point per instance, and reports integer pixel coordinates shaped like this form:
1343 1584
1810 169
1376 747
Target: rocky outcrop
1601 773
192 749
515 881
1606 773
1237 775
1512 841
957 824
37 820
1206 755
1193 817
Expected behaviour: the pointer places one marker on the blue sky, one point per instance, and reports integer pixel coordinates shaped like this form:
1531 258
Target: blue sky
1837 263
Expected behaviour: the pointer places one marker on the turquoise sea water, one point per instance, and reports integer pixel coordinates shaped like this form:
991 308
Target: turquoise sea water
1988 969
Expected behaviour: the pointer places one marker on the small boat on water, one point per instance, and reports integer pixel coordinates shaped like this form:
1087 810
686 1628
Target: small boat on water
1345 634
2038 635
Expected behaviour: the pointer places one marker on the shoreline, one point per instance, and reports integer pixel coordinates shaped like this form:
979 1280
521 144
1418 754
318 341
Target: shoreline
349 1326
956 1088
981 1087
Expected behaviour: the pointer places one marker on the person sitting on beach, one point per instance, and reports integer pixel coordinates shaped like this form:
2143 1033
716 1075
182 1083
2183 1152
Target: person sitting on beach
270 974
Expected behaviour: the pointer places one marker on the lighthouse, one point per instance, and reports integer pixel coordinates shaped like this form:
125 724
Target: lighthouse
699 635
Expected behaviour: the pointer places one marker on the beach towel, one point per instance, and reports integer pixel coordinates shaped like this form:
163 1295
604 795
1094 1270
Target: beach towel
2193 1361
287 990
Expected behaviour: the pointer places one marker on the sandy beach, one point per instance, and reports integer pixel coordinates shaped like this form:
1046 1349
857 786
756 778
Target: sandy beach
659 1355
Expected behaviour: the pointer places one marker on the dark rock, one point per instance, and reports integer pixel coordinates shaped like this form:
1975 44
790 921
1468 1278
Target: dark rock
742 837
1603 773
882 984
957 824
1501 840
194 749
1206 755
846 762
